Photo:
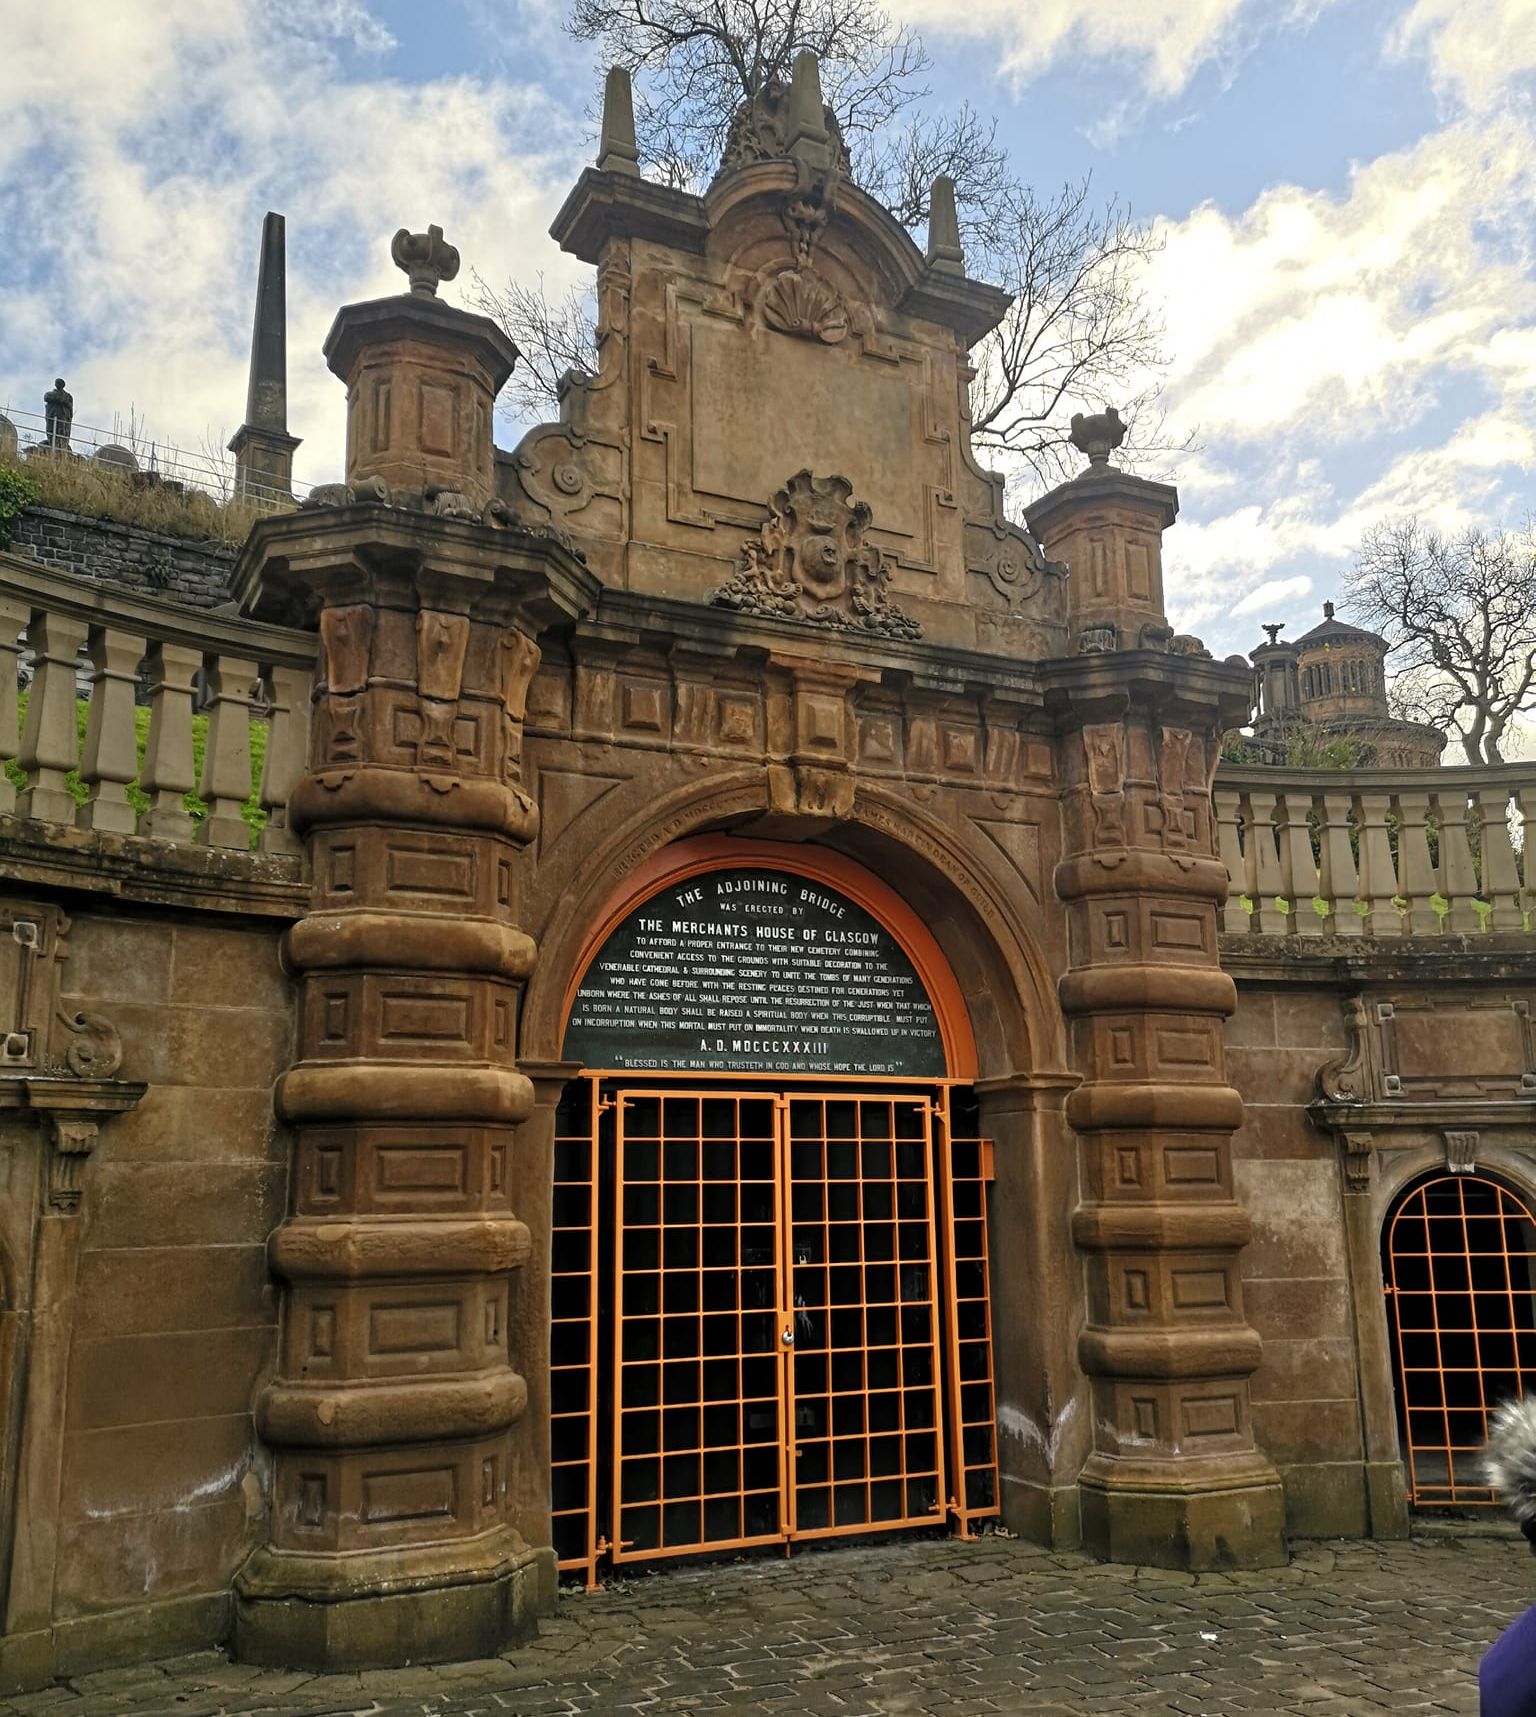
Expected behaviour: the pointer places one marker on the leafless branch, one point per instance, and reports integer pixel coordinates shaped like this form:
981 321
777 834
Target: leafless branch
1460 615
552 336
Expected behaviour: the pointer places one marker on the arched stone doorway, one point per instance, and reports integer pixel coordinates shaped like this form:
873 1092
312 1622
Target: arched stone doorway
770 1314
1459 1269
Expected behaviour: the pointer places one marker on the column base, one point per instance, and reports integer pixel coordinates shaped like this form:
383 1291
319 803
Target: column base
385 1610
1231 1517
1386 1491
1042 1514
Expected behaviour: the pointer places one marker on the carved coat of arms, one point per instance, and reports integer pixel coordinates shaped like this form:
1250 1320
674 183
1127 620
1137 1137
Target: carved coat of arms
811 562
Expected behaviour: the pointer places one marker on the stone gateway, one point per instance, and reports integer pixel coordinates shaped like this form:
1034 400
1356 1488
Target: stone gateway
744 1007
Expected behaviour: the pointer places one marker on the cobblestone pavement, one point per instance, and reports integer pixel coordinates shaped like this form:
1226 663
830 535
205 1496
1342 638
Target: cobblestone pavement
919 1628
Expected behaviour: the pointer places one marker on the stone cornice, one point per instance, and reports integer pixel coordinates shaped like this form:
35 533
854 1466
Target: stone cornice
1355 963
147 872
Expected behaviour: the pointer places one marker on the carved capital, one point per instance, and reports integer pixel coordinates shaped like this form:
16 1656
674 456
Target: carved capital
73 1138
1358 1150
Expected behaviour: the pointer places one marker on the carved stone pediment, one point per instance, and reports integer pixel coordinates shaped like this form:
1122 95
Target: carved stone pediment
759 130
811 561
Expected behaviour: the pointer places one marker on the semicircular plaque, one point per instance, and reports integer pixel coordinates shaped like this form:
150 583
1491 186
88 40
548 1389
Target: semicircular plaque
743 970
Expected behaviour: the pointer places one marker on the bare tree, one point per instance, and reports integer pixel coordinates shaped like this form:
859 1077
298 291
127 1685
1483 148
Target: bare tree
1081 333
553 336
1460 615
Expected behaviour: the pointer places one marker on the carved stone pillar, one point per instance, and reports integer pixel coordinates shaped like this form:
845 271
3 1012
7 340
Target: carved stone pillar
1174 1478
393 1538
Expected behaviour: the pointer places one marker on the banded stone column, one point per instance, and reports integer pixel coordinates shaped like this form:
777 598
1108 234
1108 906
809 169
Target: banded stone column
1174 1478
391 1414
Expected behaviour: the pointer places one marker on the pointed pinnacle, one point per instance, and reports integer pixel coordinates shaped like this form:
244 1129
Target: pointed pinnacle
806 137
616 149
944 252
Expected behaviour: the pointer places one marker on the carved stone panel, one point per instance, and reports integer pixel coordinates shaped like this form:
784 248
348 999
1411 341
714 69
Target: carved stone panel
1450 1047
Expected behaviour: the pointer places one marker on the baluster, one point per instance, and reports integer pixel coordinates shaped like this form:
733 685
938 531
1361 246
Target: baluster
1234 916
1298 865
50 741
14 616
1458 874
1501 880
1378 878
1337 871
288 691
111 758
1415 866
1525 800
1264 864
168 773
226 783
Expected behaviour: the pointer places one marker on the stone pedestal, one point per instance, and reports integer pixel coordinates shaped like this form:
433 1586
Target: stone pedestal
1174 1478
392 1538
1108 527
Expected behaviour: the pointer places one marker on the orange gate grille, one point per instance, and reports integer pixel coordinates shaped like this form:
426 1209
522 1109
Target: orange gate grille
785 1333
1460 1271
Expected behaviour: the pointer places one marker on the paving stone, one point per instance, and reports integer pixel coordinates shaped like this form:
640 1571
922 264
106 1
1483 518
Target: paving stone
931 1629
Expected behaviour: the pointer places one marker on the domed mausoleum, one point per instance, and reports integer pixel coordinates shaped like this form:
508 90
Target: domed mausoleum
1332 680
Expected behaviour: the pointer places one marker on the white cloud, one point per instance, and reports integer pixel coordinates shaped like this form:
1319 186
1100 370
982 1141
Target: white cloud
1164 43
1271 592
1475 51
1339 313
140 179
1385 335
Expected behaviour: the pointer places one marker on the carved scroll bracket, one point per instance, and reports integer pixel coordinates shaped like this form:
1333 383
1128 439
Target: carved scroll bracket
71 1109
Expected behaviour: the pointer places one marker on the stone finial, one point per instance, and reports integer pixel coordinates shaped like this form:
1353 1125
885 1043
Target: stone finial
1097 435
944 251
1272 630
426 258
806 135
1327 610
617 151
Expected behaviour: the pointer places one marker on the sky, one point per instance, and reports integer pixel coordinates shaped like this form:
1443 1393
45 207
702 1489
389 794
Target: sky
1344 192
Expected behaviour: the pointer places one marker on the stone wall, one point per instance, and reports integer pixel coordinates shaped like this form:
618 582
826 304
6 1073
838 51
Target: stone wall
150 563
143 1314
1296 1287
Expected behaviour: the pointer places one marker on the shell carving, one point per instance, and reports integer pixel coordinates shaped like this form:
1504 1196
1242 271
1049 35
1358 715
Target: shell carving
800 302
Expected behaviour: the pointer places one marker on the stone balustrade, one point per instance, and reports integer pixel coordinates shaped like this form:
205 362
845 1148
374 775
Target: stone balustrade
113 652
1377 852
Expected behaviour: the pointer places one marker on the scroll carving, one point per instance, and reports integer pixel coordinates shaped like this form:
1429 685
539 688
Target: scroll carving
1343 1079
811 562
95 1050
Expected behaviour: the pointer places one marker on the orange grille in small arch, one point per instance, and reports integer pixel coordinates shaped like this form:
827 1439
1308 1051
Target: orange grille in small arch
1460 1270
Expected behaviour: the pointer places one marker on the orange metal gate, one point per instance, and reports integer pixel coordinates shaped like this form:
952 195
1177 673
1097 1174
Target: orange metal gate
1460 1268
792 1289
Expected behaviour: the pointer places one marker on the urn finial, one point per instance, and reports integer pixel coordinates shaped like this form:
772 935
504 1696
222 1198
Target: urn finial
1097 435
427 258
